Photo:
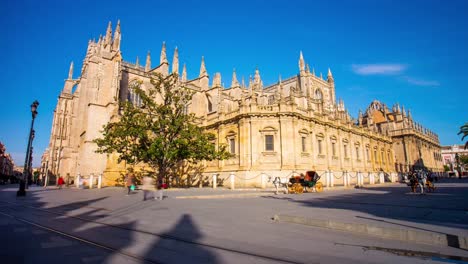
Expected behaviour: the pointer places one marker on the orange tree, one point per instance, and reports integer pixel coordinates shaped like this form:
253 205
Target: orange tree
158 131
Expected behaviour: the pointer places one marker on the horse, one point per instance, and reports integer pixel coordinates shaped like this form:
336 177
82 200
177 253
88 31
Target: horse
279 182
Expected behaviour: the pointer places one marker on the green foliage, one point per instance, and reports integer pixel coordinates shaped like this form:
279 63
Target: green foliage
159 133
463 159
446 168
464 132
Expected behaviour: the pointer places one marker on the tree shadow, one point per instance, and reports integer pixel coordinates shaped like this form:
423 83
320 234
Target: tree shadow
180 244
89 220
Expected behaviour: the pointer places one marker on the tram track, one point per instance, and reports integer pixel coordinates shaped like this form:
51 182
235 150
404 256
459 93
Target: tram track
119 251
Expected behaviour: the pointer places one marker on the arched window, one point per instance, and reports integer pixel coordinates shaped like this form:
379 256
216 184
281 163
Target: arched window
318 94
132 96
209 103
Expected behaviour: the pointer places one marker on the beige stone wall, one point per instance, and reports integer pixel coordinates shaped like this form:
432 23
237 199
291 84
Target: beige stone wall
309 128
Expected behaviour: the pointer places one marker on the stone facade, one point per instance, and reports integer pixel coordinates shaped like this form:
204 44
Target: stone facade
291 126
6 162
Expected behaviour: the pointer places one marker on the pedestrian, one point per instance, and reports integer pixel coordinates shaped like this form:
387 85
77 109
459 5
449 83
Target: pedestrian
148 187
60 182
160 186
130 181
422 180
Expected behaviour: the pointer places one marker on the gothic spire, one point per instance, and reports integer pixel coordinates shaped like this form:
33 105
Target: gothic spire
257 78
70 72
301 62
116 41
108 37
163 58
234 82
184 74
313 71
329 76
202 68
175 61
148 62
307 68
137 63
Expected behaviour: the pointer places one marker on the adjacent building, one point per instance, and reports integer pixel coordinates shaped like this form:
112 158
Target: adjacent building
291 126
6 162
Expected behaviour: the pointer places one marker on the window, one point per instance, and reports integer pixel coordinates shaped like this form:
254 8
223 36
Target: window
134 98
269 143
318 94
345 149
319 145
375 155
382 157
271 99
367 154
210 104
357 152
232 145
304 149
333 149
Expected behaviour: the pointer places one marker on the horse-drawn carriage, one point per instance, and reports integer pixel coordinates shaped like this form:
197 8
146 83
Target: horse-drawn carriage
307 182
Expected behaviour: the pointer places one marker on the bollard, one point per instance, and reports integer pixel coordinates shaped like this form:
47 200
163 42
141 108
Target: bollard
263 180
332 179
381 177
359 179
100 181
91 180
371 178
77 182
232 180
327 176
214 181
348 178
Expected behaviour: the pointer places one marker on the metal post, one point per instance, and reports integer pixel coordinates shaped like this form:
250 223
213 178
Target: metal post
23 181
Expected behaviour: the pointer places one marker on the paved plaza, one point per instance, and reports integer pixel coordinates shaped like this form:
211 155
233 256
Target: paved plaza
382 224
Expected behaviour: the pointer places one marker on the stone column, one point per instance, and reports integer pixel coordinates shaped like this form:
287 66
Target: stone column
100 181
91 180
232 178
77 181
214 181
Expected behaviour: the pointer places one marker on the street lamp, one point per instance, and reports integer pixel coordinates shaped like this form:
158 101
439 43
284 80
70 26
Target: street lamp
22 186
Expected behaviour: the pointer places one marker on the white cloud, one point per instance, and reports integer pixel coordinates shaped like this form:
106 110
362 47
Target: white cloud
378 69
420 82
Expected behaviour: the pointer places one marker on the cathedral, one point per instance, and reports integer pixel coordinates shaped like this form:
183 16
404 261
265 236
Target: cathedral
292 126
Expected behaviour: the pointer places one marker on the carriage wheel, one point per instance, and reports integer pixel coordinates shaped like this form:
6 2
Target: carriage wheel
319 187
298 188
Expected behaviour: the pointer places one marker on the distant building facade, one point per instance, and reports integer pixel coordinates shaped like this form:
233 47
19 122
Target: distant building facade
291 126
449 154
6 162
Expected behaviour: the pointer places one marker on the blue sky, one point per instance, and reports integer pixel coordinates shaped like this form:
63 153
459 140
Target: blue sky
410 52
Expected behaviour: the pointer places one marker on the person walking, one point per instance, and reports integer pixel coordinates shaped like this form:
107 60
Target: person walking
148 187
60 182
422 180
129 181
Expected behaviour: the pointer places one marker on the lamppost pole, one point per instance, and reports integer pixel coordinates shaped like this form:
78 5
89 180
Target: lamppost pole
22 186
